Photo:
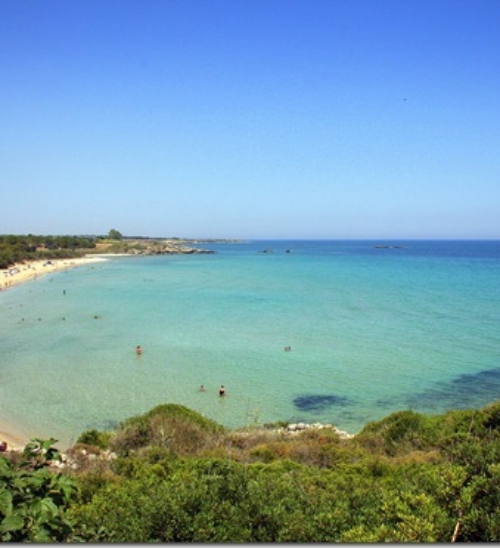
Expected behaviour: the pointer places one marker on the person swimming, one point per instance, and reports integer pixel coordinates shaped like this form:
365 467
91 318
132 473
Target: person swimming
222 390
138 350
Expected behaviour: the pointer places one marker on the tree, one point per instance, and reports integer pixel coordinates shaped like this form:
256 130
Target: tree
115 235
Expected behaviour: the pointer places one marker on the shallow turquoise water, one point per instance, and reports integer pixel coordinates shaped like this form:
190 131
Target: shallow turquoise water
371 331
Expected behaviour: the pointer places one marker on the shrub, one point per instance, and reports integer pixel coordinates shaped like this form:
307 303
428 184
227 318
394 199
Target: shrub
96 438
34 500
171 426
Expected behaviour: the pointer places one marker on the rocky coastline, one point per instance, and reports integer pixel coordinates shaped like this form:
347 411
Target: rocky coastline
168 248
153 246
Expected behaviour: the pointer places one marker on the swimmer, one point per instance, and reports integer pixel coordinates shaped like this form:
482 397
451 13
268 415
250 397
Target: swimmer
201 388
138 350
222 390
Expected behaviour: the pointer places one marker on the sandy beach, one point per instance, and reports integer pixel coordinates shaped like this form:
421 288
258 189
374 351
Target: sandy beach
14 443
31 270
26 272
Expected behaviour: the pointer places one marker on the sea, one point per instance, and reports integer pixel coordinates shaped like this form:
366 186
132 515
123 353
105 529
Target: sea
340 332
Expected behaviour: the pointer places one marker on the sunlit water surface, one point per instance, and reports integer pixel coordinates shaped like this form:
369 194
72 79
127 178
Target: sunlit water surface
415 325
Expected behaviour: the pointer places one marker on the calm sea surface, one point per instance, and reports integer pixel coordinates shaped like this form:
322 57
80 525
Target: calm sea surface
414 325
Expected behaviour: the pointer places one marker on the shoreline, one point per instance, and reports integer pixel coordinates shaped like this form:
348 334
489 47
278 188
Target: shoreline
29 271
32 270
14 442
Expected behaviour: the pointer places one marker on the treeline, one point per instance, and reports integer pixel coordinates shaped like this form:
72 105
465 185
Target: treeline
15 249
172 475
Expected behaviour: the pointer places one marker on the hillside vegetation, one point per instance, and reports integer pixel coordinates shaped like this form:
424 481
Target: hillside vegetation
171 475
17 249
21 248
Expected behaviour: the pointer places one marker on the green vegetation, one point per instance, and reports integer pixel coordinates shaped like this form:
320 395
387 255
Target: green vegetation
171 475
114 234
34 500
16 249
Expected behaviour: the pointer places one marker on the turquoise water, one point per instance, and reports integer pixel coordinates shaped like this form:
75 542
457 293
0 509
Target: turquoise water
371 330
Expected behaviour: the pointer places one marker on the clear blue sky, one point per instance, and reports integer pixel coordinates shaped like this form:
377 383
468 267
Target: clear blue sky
251 118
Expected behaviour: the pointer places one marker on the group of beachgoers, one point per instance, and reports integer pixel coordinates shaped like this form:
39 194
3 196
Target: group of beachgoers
222 389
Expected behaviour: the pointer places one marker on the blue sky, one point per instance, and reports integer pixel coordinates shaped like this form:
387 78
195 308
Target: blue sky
251 118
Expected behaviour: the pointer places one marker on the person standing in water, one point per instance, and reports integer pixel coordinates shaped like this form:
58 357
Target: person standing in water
138 350
222 390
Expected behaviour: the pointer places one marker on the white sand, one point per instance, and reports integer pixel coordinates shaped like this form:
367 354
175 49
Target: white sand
31 270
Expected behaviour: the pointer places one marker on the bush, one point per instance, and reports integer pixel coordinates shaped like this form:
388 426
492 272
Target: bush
407 478
95 438
34 500
171 426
